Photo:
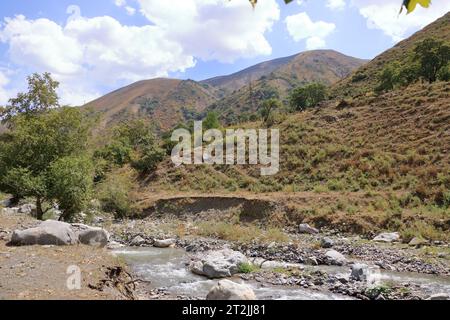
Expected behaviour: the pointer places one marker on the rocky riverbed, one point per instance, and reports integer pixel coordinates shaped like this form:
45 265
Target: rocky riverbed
316 264
169 261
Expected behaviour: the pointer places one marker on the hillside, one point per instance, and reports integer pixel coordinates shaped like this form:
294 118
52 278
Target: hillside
242 78
325 66
373 162
164 101
167 102
364 79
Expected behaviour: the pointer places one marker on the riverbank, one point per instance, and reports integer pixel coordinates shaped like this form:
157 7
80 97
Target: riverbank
44 272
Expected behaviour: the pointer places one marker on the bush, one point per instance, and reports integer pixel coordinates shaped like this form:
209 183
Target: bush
71 181
308 96
116 195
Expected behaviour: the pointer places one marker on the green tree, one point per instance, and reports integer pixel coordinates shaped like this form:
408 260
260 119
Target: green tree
432 55
133 143
388 78
308 96
268 108
40 97
70 181
211 121
33 144
444 73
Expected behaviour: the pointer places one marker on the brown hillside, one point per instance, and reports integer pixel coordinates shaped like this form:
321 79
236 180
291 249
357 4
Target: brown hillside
365 78
159 100
325 66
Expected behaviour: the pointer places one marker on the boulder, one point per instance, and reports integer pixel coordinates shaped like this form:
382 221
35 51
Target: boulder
228 290
164 243
417 242
360 272
91 236
306 228
387 237
47 233
335 258
113 245
27 209
326 243
218 264
138 241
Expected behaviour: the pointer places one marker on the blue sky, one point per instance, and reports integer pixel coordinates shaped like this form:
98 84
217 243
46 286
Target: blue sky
93 47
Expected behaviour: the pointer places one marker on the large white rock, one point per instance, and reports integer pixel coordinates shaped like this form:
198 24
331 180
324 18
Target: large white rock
306 228
47 233
164 243
91 236
335 258
218 264
228 290
387 237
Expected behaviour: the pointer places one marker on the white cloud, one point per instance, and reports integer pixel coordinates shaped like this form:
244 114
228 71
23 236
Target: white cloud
301 27
383 15
87 52
336 4
315 43
215 29
120 3
130 10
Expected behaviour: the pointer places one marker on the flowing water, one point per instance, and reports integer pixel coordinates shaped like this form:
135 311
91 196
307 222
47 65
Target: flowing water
166 268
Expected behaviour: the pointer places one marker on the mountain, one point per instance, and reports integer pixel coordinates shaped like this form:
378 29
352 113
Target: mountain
240 79
363 164
325 66
365 78
167 102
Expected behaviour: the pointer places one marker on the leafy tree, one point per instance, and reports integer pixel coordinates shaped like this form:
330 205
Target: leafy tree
432 55
70 181
134 143
211 121
41 96
308 96
388 78
444 73
268 107
32 145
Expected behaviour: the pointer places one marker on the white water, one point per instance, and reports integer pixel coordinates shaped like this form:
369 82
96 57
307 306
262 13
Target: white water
166 268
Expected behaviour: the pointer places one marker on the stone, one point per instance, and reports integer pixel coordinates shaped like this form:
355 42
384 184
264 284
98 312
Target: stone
387 237
439 297
306 228
417 242
335 258
218 264
326 243
138 241
165 243
27 209
312 261
227 290
49 232
91 236
360 272
113 245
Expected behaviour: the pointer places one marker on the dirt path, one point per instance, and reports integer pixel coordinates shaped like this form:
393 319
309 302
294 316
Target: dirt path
41 272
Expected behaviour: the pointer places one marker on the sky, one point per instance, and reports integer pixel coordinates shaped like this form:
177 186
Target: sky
94 47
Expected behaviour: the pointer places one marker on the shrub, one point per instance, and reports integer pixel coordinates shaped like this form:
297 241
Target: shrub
308 96
116 195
